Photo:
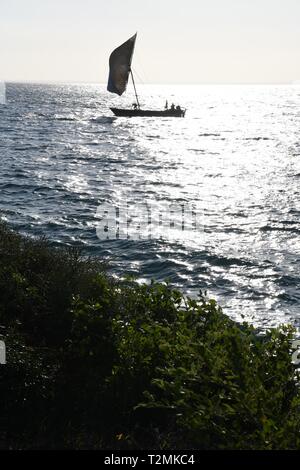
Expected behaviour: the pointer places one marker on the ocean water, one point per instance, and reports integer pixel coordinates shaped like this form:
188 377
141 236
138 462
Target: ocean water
235 157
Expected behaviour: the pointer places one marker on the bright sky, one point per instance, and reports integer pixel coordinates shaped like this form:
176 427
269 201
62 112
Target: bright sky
191 41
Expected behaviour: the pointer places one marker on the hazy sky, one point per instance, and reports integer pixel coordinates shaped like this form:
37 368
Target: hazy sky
191 41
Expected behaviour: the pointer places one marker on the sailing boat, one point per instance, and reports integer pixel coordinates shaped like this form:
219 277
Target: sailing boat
119 71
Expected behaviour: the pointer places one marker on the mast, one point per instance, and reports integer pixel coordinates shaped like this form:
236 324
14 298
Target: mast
136 95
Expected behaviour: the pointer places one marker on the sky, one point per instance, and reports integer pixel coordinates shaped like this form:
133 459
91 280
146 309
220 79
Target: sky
191 41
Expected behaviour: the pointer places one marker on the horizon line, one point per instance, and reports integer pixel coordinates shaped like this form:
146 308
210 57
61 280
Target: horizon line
83 82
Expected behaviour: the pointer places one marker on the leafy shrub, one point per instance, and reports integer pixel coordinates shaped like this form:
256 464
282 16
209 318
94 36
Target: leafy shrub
95 363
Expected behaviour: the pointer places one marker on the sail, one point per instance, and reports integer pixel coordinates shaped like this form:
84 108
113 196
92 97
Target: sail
119 66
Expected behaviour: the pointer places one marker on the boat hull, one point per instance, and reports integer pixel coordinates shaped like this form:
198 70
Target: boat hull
148 112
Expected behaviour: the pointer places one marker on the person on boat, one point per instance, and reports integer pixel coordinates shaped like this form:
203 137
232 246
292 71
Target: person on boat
172 107
166 105
134 106
178 108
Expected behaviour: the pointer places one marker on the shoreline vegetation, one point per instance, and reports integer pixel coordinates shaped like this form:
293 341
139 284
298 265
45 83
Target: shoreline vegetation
97 363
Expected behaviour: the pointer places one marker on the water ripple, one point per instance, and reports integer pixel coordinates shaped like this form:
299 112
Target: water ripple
236 155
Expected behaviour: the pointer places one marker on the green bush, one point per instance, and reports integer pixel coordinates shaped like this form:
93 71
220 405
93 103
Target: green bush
95 363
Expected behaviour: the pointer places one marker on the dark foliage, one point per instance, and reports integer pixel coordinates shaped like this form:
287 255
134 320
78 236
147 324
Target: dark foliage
95 363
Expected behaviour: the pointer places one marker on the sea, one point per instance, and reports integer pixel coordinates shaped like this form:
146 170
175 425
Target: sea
208 203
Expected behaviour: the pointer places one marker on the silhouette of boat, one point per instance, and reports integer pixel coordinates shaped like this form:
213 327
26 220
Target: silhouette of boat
148 112
119 71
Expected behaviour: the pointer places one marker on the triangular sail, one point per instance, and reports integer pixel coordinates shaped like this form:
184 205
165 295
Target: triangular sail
119 66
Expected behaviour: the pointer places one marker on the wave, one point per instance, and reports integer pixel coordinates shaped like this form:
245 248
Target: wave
209 135
272 228
33 148
71 118
257 138
103 119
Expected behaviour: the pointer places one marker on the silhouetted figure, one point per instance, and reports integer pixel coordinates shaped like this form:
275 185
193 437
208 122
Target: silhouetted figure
167 104
134 106
178 108
172 107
